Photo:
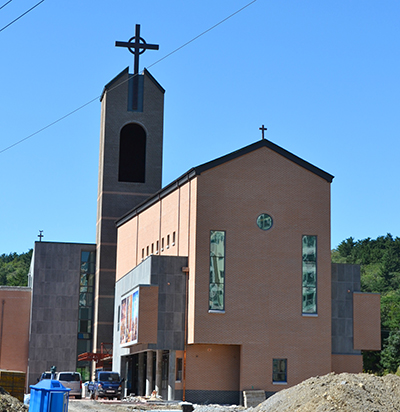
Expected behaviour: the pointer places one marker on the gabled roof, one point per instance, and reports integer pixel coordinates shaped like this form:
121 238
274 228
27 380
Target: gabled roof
126 72
198 170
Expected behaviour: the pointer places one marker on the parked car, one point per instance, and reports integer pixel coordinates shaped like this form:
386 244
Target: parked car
45 375
73 381
106 385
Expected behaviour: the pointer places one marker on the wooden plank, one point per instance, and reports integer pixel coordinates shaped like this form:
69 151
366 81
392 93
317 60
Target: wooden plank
253 398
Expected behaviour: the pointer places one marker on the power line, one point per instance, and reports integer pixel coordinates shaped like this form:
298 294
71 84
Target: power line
22 15
4 5
153 64
50 124
204 32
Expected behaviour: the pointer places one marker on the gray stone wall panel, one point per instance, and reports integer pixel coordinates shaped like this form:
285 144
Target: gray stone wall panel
158 271
55 297
345 281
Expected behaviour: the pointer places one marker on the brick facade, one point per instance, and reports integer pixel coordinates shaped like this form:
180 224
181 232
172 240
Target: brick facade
15 305
263 317
232 350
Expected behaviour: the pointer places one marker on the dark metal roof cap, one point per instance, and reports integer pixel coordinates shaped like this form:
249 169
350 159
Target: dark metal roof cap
198 170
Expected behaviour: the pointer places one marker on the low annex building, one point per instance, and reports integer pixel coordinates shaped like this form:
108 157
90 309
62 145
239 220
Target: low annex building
225 282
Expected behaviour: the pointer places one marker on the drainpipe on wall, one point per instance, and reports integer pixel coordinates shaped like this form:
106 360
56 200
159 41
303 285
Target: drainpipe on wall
186 271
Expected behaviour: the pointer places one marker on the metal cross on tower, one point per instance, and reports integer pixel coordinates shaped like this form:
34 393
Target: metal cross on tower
138 45
40 235
263 129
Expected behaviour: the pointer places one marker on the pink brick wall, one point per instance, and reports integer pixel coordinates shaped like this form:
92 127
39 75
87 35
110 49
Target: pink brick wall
126 248
263 286
169 218
264 268
15 339
213 367
367 321
347 363
148 314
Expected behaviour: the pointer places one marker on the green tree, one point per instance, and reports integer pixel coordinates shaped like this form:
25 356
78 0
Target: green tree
14 268
390 355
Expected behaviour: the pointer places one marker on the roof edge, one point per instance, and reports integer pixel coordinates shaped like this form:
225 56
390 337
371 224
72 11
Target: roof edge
265 143
160 194
118 76
153 79
198 170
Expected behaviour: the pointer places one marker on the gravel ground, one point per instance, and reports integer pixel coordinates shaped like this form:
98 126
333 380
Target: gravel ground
343 392
330 393
103 406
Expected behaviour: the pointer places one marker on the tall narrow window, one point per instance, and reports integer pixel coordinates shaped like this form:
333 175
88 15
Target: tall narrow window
85 312
173 239
132 154
119 317
309 274
167 241
217 270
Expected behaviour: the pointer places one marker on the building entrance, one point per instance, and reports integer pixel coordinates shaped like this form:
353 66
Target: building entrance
134 382
142 378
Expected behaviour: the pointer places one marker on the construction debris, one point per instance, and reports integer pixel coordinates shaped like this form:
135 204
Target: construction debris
10 404
345 392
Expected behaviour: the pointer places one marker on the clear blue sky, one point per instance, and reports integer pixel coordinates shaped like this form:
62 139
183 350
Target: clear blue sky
323 76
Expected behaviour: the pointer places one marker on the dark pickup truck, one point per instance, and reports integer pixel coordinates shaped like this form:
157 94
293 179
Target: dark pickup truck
106 385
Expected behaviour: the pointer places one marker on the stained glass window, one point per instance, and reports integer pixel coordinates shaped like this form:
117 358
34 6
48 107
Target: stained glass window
85 313
309 283
264 221
217 270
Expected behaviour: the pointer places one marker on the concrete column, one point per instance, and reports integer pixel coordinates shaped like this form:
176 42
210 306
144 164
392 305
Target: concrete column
127 377
158 371
141 374
171 375
149 373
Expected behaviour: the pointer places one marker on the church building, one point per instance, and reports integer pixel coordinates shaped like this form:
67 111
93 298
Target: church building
217 283
225 282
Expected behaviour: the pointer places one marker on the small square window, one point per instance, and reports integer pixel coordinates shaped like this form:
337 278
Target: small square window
279 370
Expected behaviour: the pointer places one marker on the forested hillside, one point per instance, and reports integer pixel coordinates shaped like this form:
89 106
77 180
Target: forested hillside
14 268
380 272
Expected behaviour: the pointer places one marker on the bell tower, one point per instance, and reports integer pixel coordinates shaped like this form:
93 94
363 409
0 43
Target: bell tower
130 168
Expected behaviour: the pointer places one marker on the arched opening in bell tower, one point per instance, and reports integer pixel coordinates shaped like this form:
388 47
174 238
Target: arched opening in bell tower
132 154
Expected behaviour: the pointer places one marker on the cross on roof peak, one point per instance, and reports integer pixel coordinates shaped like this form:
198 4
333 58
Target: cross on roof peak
263 129
138 45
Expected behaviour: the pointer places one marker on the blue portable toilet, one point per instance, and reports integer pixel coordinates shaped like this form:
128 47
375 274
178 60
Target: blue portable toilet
49 396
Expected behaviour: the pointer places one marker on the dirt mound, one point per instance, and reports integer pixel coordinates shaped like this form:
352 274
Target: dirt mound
343 392
10 404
